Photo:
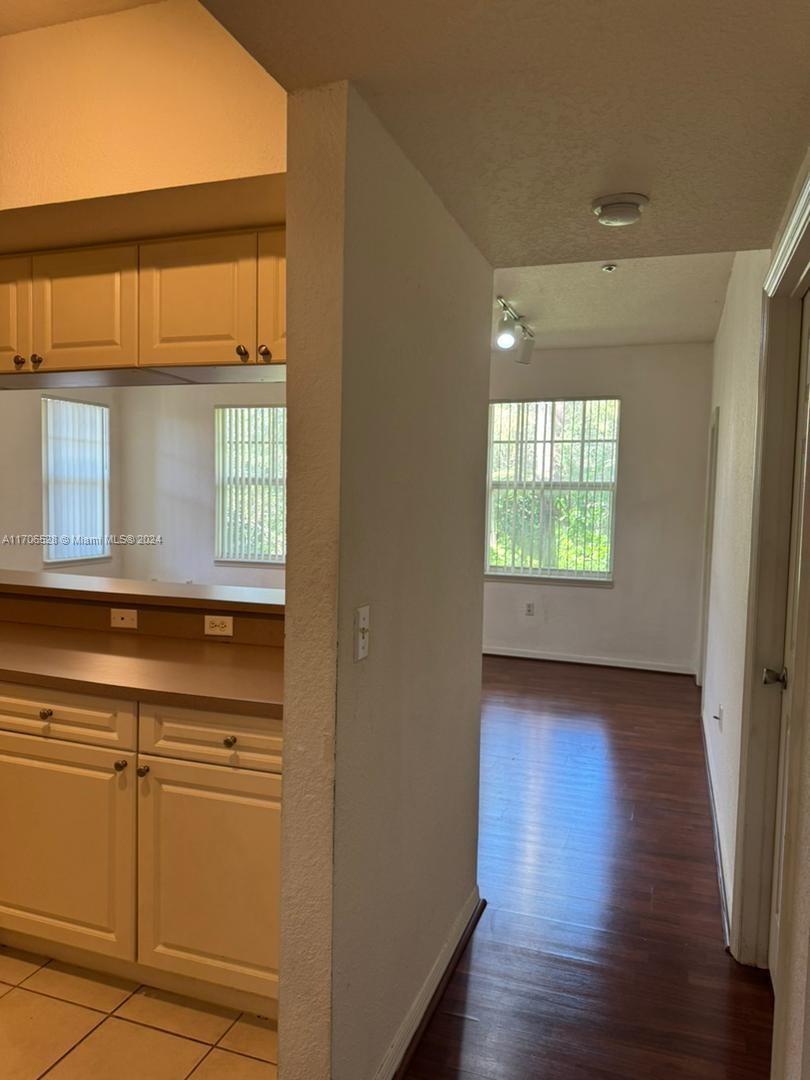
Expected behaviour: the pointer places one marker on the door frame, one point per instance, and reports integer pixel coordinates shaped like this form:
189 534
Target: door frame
787 279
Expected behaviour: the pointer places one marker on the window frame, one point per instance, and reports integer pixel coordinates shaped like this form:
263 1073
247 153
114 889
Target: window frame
271 564
564 577
107 554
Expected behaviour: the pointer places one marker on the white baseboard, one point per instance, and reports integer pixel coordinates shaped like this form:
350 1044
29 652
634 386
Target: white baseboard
718 851
599 661
407 1029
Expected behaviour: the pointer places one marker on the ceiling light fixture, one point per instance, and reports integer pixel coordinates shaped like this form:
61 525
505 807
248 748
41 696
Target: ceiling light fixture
609 268
621 209
513 333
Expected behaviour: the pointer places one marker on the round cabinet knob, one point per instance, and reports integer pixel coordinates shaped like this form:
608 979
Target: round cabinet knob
143 770
229 741
19 362
45 714
265 355
36 360
119 766
242 353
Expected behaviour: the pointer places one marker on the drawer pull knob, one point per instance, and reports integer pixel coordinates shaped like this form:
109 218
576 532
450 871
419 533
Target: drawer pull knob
119 766
45 714
229 741
265 354
36 361
143 770
242 353
19 362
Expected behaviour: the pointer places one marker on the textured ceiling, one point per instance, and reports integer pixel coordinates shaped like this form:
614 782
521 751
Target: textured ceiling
19 15
520 112
645 301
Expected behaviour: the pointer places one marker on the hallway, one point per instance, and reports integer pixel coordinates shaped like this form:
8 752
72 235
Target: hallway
600 954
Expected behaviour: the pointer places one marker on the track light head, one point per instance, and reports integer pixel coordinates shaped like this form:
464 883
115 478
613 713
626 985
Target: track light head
508 333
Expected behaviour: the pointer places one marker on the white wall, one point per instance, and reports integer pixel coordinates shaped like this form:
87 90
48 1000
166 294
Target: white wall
153 97
168 482
650 616
735 389
387 439
21 478
415 374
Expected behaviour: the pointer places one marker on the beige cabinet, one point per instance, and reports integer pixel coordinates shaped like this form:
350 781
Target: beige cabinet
85 308
272 307
15 313
198 300
216 738
67 845
208 872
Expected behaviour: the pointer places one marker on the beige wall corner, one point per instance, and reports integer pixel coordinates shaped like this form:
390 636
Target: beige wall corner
417 308
156 96
315 253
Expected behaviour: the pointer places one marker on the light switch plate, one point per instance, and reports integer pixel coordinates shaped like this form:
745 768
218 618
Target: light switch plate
362 632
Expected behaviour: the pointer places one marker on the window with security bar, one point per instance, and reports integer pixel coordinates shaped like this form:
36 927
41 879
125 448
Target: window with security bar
551 497
251 484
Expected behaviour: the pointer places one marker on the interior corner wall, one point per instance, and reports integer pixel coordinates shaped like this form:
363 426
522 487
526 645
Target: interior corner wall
151 97
315 254
649 616
735 392
417 306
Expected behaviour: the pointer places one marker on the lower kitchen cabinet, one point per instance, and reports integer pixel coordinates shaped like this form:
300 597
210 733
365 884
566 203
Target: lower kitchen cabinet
209 843
67 845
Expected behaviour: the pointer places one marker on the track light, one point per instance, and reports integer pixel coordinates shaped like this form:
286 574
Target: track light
508 332
525 347
513 333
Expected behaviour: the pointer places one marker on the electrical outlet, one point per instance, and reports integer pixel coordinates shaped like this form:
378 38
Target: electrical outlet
219 625
362 632
124 618
530 607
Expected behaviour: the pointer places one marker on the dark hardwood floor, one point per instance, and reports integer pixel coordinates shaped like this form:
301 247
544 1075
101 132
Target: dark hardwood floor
600 955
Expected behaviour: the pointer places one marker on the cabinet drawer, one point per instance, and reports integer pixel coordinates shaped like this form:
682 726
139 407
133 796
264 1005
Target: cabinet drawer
74 717
247 742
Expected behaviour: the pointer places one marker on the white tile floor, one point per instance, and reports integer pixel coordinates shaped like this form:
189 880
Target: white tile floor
67 1023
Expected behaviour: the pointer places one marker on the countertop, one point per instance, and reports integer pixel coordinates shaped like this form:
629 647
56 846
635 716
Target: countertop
135 593
192 673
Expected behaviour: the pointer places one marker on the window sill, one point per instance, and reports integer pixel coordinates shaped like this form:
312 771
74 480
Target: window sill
529 579
252 563
52 564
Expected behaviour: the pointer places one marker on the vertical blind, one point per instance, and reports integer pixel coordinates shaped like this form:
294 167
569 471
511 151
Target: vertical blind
251 483
552 488
76 479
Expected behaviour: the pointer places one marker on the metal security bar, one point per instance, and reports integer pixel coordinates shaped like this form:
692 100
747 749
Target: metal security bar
251 483
552 488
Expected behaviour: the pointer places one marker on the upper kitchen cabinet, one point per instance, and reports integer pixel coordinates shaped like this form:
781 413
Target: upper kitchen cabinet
85 308
272 296
15 312
198 300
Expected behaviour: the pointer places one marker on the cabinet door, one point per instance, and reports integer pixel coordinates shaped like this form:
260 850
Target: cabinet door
208 872
273 296
198 300
15 311
85 308
67 845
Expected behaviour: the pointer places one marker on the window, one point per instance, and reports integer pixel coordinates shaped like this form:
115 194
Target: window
76 479
552 488
251 491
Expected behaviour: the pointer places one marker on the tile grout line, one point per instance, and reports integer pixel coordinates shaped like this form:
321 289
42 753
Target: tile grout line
67 1053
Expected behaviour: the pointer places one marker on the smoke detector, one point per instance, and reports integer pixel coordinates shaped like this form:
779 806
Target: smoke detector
621 209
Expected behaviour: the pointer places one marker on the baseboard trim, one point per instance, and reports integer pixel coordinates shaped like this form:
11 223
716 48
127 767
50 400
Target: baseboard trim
395 1063
718 851
597 661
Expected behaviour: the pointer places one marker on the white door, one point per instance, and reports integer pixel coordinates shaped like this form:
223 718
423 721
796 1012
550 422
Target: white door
67 843
208 872
799 571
